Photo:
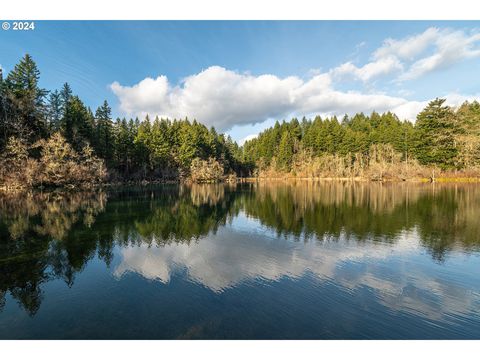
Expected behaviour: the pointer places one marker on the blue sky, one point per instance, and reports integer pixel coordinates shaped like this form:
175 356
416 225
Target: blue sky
241 76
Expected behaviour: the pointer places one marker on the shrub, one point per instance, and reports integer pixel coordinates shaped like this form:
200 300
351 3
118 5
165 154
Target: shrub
59 164
17 170
206 171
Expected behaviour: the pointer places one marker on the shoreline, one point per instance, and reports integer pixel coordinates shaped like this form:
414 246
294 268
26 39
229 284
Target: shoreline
365 179
418 180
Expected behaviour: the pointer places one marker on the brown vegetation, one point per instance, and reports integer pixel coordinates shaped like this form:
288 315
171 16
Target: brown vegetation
203 171
51 162
382 163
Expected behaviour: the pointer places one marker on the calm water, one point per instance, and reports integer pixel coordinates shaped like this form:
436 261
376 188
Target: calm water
268 261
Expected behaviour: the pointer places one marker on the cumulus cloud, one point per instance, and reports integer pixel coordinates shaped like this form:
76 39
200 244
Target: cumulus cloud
223 98
147 96
215 96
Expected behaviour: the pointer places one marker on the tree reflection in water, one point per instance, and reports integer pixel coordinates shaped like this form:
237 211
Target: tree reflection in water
40 236
46 236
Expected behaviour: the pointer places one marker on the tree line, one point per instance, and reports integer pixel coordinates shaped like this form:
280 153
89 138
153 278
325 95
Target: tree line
53 138
379 145
35 125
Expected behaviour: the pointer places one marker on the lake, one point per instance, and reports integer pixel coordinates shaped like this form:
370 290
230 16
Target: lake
280 260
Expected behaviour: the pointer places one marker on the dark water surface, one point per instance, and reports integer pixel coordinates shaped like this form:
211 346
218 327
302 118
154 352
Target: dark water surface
266 261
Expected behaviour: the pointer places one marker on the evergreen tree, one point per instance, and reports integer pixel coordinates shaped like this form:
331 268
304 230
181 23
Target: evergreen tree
77 124
5 113
122 148
104 140
55 112
142 145
159 144
65 95
27 98
442 136
285 152
468 135
189 142
435 131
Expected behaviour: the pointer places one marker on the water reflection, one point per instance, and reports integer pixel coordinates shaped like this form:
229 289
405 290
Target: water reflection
41 239
230 258
352 235
445 215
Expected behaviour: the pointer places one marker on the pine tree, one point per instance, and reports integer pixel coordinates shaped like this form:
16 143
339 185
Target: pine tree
189 142
435 131
65 95
55 112
468 135
159 144
104 133
123 146
77 124
285 152
27 98
5 113
142 145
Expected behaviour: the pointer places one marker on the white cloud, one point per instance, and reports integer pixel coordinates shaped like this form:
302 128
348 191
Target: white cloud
215 96
407 48
409 109
450 47
380 67
388 58
145 97
224 98
336 102
416 55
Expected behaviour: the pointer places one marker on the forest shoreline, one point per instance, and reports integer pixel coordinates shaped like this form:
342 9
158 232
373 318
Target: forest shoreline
239 180
57 141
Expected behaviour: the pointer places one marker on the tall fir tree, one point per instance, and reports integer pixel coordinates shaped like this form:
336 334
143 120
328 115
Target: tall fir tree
77 124
55 112
104 140
285 152
28 100
435 131
65 95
